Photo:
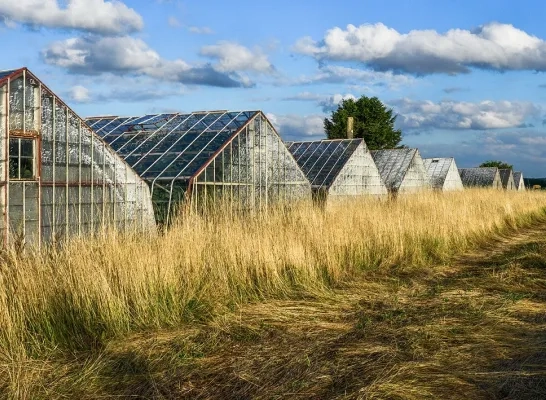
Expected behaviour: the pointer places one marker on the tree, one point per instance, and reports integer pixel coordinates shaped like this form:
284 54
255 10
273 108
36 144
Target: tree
373 122
496 163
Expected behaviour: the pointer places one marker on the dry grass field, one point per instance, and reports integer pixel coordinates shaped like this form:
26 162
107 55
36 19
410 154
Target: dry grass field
428 296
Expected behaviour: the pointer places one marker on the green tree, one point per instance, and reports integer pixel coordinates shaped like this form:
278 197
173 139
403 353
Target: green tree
496 163
373 122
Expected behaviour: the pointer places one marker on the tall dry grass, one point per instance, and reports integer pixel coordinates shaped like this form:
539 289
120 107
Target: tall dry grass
79 296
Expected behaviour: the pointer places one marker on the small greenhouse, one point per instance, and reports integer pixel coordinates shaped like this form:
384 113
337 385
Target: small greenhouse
402 170
342 167
487 177
518 181
507 179
443 174
206 157
58 177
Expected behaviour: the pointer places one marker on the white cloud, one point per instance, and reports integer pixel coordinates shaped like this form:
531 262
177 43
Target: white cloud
125 55
414 114
97 16
232 56
79 94
332 102
534 140
491 46
298 127
346 75
201 30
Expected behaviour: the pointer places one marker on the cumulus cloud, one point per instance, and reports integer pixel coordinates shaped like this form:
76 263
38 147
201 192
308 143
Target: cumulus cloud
491 46
96 16
79 94
332 102
232 56
298 127
345 75
127 55
414 114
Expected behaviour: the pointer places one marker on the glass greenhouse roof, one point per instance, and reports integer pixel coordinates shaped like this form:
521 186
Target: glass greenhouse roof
3 74
393 165
478 176
169 146
437 169
322 160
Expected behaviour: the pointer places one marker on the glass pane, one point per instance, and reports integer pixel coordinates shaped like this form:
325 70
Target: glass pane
27 168
14 147
27 148
14 167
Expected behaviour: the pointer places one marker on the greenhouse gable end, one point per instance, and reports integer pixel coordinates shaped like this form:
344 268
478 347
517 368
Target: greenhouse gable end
57 177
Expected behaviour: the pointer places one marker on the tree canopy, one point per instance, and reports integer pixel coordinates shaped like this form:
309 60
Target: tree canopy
373 122
496 163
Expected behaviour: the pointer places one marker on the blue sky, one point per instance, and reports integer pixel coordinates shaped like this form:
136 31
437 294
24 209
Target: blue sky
466 78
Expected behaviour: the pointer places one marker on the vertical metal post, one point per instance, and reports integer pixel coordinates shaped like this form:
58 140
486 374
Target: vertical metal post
19 161
114 193
250 140
213 180
205 187
125 199
67 160
231 175
93 204
7 177
53 170
38 164
263 128
6 164
79 177
103 150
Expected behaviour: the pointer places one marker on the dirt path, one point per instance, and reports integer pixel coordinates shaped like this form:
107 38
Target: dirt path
474 329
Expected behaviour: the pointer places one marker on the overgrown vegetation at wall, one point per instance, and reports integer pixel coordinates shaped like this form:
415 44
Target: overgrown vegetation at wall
79 299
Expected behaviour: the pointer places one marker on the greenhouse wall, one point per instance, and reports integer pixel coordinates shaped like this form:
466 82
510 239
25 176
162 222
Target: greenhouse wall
254 169
359 176
416 178
402 170
507 179
59 179
443 174
518 181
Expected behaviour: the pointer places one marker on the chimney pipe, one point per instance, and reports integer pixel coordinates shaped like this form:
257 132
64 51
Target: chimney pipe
350 127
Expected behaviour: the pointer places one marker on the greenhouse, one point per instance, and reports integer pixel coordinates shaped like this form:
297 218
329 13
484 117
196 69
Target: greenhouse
507 179
342 167
443 174
402 170
236 158
58 178
518 181
487 177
